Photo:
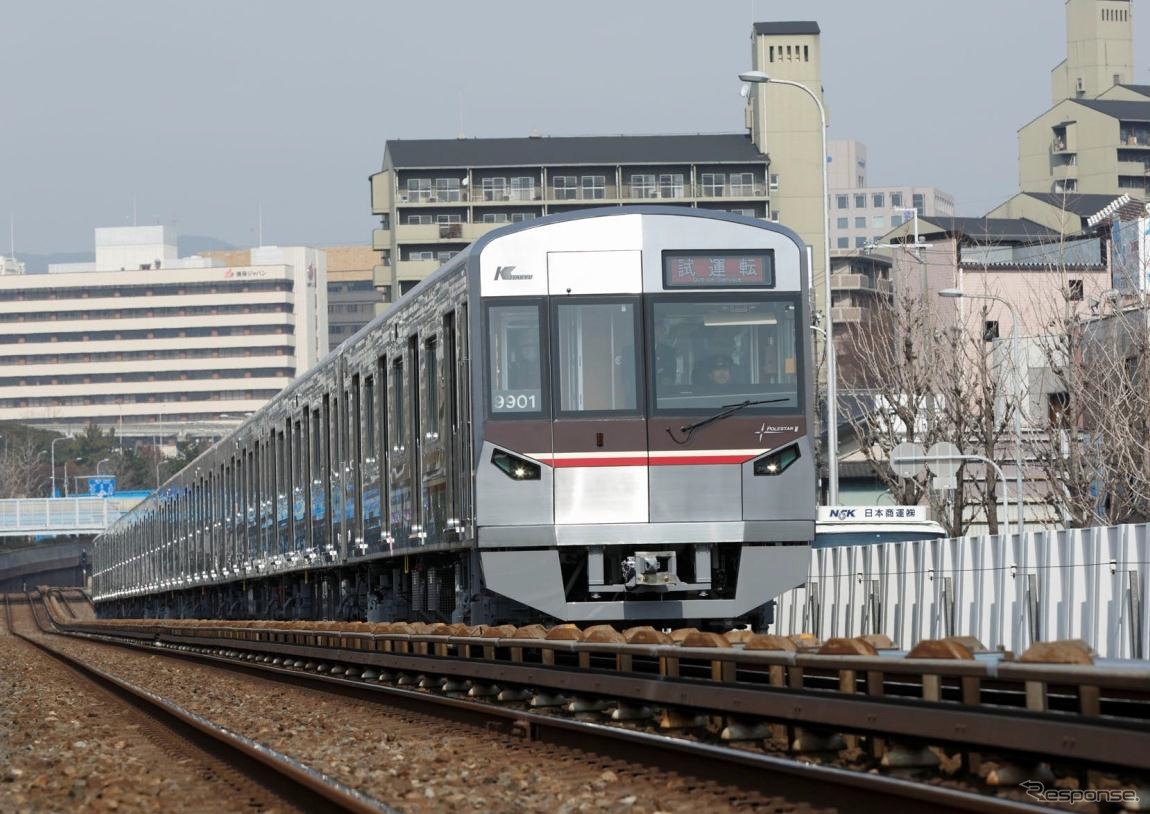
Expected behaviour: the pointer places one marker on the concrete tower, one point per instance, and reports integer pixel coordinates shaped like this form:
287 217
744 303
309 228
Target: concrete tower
785 125
1099 49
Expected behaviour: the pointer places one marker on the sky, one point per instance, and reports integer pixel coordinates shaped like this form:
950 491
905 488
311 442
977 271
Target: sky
201 115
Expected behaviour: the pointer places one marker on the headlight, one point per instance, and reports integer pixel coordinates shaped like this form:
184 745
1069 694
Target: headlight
515 467
775 463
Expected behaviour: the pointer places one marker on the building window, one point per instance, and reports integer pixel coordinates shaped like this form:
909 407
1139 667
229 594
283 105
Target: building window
774 182
896 199
444 217
594 187
860 222
860 201
446 189
1076 290
843 223
714 183
643 186
496 217
878 222
519 217
523 188
844 243
418 189
775 216
878 200
990 330
566 187
918 202
494 189
745 212
418 220
860 242
842 201
895 220
671 185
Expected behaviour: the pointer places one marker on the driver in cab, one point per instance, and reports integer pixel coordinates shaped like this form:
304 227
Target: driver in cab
718 376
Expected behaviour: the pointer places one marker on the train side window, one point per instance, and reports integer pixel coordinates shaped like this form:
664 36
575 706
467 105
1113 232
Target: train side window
595 364
369 418
515 367
431 359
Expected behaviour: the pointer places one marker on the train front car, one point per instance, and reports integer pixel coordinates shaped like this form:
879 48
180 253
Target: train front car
643 414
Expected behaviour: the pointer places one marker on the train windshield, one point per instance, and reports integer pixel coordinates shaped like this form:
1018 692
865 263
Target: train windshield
712 352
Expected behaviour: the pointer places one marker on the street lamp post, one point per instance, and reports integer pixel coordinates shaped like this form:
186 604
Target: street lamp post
758 77
1015 357
66 462
52 447
928 459
100 463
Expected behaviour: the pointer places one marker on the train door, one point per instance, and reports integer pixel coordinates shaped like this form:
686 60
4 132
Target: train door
401 513
433 468
317 480
461 429
415 532
600 431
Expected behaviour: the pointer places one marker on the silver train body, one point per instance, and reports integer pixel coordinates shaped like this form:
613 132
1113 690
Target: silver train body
599 416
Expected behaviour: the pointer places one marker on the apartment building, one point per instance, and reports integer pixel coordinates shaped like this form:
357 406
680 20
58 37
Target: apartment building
860 213
141 339
436 196
1095 139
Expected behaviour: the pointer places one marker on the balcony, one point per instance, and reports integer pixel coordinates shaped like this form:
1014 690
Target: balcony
380 239
1137 137
415 269
442 232
627 193
847 314
1060 146
1063 172
860 282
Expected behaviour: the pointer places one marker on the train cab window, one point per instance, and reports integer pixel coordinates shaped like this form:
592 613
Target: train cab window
595 366
711 352
515 363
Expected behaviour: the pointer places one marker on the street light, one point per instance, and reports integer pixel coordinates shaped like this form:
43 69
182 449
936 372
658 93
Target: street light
66 462
927 459
758 78
1015 326
52 447
100 463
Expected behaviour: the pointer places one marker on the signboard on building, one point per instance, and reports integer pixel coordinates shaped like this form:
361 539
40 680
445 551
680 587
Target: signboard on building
871 514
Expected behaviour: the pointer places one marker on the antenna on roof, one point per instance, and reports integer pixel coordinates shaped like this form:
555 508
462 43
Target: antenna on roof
260 223
461 134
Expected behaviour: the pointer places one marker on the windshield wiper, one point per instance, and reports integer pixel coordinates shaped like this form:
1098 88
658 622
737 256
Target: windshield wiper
726 411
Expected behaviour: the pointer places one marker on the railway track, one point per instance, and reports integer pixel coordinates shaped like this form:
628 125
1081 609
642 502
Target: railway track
258 778
357 664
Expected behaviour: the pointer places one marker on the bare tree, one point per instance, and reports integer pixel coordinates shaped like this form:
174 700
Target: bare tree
1097 450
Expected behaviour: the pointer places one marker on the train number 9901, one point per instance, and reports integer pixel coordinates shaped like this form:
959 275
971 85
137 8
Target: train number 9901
511 401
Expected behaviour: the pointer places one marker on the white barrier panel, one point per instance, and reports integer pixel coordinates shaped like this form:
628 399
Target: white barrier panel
61 515
1089 584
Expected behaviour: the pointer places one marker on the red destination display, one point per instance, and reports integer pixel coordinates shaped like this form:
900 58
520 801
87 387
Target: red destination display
718 270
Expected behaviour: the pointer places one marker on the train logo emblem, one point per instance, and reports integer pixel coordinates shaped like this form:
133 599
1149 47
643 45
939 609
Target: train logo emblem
506 273
763 431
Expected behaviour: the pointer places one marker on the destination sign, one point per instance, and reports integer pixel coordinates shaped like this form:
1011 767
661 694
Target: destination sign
719 269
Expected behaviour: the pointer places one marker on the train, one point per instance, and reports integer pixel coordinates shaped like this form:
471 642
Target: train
599 416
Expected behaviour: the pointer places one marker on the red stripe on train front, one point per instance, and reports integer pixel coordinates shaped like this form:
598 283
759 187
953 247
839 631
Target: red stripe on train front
644 460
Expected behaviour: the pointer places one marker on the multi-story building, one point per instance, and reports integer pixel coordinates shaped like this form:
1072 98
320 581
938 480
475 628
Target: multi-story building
434 197
352 299
861 214
142 339
1095 139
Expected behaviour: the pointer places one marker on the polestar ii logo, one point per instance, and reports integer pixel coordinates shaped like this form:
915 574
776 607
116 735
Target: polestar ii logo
763 431
507 273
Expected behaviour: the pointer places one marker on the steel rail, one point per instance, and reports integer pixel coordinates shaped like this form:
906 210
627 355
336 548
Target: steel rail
290 780
817 785
1100 740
